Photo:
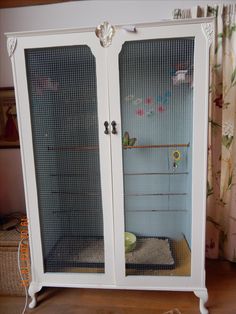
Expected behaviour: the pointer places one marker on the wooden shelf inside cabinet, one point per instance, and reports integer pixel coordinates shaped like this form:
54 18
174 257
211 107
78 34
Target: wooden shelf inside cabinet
156 146
156 173
155 210
156 194
96 147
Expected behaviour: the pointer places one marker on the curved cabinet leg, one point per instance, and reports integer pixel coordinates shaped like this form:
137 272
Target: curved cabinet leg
203 296
33 289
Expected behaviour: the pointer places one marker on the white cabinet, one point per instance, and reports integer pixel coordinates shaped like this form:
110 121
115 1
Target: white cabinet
113 129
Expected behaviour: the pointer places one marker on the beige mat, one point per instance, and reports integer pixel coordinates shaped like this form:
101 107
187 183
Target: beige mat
182 257
151 251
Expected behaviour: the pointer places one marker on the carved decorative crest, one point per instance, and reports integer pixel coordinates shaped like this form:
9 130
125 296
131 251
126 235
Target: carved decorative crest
105 32
11 46
208 31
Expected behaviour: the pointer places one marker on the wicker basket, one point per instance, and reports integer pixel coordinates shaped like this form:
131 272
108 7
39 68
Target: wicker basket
10 283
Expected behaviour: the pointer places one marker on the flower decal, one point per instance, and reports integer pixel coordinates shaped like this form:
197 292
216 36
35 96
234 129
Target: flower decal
129 98
148 105
138 101
140 112
161 108
148 101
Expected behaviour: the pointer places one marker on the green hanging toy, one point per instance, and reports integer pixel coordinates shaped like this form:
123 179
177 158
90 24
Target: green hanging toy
176 156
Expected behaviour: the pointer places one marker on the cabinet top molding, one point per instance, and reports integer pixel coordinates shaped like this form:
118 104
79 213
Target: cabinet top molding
105 32
208 31
117 27
11 45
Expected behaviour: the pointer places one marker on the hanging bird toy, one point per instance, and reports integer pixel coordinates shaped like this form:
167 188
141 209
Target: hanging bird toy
176 157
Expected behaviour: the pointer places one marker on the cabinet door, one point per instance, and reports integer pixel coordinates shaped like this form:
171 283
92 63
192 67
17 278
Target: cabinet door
158 90
66 156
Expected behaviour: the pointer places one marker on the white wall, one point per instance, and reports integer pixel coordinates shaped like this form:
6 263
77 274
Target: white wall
11 182
81 13
66 15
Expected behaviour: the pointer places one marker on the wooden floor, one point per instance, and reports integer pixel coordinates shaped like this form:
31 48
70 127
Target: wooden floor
221 283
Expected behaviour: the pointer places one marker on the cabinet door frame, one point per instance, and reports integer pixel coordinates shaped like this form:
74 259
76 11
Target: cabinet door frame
53 39
199 29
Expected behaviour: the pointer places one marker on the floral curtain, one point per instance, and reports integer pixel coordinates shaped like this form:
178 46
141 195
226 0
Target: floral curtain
221 186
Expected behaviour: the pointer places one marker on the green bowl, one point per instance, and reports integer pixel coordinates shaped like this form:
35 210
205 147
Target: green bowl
130 242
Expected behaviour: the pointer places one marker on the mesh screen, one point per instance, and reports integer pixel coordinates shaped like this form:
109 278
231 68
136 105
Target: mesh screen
156 92
63 105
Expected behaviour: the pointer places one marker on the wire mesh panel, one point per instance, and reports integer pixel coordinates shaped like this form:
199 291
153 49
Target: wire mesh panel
156 92
63 105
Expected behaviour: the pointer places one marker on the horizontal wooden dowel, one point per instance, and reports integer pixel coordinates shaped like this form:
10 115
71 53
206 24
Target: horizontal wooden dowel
76 193
154 194
73 148
157 146
154 210
96 147
154 173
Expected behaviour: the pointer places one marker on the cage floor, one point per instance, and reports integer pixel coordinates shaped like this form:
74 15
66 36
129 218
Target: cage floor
151 253
182 258
87 254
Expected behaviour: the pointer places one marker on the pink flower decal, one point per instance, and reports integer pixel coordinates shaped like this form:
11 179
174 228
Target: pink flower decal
139 112
161 108
148 101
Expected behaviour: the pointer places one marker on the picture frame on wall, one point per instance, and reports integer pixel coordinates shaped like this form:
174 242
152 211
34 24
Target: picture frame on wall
9 135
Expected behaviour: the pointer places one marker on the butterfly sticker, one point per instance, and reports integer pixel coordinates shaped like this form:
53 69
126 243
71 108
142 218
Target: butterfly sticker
127 141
